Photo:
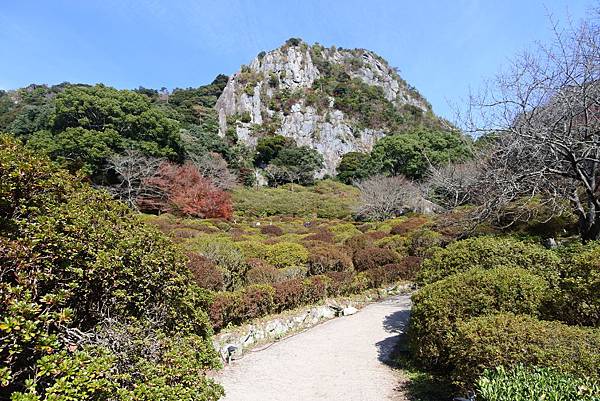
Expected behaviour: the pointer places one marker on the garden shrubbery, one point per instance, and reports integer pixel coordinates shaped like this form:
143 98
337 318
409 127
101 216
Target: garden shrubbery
440 306
507 339
73 261
489 253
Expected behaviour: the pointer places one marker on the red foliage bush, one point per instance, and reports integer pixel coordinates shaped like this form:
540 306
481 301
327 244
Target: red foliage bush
412 223
257 300
271 230
316 288
225 308
322 235
205 272
370 258
358 242
328 258
375 235
340 282
289 294
262 273
183 190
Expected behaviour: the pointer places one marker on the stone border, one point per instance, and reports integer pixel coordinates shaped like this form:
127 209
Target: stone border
234 342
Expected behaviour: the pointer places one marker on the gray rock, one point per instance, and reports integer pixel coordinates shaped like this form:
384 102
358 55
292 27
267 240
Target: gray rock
328 131
350 310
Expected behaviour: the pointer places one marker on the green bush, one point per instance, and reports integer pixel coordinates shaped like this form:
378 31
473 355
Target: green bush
506 339
576 299
489 253
280 254
525 383
70 258
320 201
439 307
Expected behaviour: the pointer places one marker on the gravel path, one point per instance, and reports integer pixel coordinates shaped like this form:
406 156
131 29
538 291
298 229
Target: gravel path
342 359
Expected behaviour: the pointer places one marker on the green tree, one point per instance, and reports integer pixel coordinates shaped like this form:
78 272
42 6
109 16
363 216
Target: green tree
295 165
411 153
268 148
354 166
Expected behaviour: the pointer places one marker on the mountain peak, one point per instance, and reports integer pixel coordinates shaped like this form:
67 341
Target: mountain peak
332 99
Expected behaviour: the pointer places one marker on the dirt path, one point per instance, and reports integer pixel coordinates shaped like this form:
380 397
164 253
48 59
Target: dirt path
342 359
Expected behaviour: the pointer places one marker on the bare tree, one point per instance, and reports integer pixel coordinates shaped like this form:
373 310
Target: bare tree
453 185
545 114
384 197
212 165
133 169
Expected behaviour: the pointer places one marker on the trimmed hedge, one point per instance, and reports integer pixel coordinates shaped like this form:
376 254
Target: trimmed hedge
489 253
506 339
439 307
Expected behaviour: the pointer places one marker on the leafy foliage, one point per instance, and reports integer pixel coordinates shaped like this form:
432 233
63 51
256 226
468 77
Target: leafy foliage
70 258
523 384
506 340
438 307
489 253
410 153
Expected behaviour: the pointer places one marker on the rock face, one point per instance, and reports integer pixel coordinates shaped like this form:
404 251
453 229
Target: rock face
293 91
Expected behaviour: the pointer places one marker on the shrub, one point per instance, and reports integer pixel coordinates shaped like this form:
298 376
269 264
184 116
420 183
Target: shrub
423 243
226 307
577 297
406 269
506 339
322 235
285 254
227 255
488 253
438 307
328 258
280 254
257 300
271 230
371 258
70 257
289 294
205 272
358 243
262 273
316 288
410 224
523 383
340 283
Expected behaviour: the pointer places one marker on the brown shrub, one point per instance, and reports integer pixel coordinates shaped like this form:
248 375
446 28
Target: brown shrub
322 235
225 308
257 301
205 272
328 258
262 273
271 230
340 282
358 242
370 258
412 223
316 288
184 233
375 235
289 294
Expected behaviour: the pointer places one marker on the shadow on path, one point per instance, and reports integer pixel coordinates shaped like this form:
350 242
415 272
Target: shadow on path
395 324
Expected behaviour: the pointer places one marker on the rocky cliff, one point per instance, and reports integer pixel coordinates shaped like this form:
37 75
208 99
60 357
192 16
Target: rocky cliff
331 99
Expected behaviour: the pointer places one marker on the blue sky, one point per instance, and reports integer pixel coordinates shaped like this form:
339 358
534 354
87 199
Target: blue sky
440 47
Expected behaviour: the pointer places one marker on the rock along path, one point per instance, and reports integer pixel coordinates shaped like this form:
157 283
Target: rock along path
343 359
